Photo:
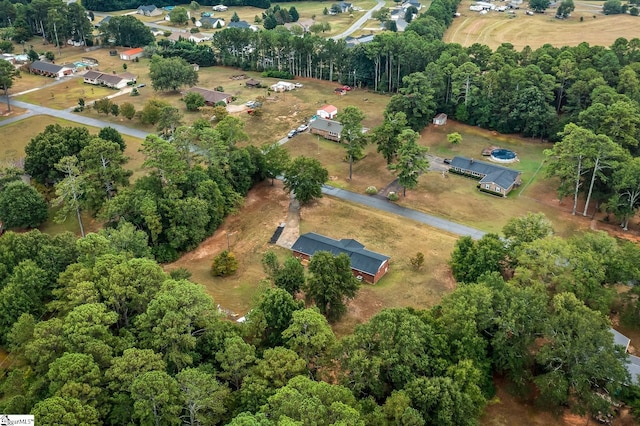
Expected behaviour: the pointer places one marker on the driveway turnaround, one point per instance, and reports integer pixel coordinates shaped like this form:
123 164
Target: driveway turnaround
390 207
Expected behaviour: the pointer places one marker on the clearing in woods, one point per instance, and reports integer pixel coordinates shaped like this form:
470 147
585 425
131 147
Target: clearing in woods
496 28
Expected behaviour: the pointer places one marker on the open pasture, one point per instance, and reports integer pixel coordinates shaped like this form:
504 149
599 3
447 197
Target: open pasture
496 28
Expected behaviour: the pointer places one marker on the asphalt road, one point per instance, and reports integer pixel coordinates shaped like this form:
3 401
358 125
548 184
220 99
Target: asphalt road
369 201
360 22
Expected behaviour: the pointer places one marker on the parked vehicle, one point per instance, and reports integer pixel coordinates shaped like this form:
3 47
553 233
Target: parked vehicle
292 134
297 85
302 128
347 88
447 161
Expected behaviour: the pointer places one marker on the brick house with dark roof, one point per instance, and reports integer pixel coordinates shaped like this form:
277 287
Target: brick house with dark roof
211 97
328 129
366 265
49 69
494 179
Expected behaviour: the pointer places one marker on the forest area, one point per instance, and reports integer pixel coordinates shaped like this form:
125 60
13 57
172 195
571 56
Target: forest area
95 332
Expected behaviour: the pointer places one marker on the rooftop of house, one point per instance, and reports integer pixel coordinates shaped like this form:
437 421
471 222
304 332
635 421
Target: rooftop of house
326 125
329 109
46 66
210 96
147 8
361 259
620 339
239 24
502 176
133 51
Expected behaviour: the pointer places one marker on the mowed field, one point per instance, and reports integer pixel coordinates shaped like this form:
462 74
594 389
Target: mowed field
496 28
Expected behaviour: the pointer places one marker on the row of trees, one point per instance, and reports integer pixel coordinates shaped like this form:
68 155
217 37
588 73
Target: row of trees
111 5
56 21
107 337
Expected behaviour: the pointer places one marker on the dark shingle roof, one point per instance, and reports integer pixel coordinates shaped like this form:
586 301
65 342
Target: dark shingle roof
239 24
326 125
46 66
212 96
148 8
361 259
491 172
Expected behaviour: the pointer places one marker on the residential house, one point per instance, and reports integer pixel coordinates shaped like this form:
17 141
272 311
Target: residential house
328 111
328 129
104 21
211 97
494 179
115 81
344 6
8 57
282 86
243 25
632 363
131 54
210 22
408 3
49 69
366 265
220 8
185 35
252 83
363 39
149 10
440 119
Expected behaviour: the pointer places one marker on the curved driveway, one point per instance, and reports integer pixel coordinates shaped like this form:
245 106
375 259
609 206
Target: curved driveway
369 201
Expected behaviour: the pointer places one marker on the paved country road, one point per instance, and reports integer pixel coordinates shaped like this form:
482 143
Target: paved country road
367 200
360 22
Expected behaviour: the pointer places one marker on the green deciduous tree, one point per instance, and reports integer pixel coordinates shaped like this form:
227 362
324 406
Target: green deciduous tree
193 101
76 375
8 73
171 73
276 159
273 314
128 110
179 15
112 135
310 336
22 206
304 177
45 150
331 283
411 161
539 5
386 135
128 31
204 398
236 359
156 398
70 191
579 357
70 411
471 259
224 264
351 135
102 168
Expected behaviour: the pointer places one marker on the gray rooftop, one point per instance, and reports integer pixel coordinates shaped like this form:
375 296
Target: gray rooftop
620 339
46 67
502 176
361 259
239 24
148 8
326 125
633 367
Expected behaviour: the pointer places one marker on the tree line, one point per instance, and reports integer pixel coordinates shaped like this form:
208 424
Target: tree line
97 333
54 20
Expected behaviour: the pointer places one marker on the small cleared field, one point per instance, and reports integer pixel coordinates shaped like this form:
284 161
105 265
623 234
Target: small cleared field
496 28
23 131
266 206
66 94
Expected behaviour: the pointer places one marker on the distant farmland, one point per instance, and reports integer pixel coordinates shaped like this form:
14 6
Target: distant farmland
496 28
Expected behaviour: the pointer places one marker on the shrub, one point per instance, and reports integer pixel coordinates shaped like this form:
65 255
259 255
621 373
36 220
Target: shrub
371 190
135 92
219 88
417 261
224 264
285 75
392 196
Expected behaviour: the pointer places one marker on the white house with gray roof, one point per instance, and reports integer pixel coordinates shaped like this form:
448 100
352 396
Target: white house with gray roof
328 129
494 179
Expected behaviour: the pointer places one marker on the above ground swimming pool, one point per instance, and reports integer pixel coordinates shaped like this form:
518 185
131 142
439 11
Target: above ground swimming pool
502 155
